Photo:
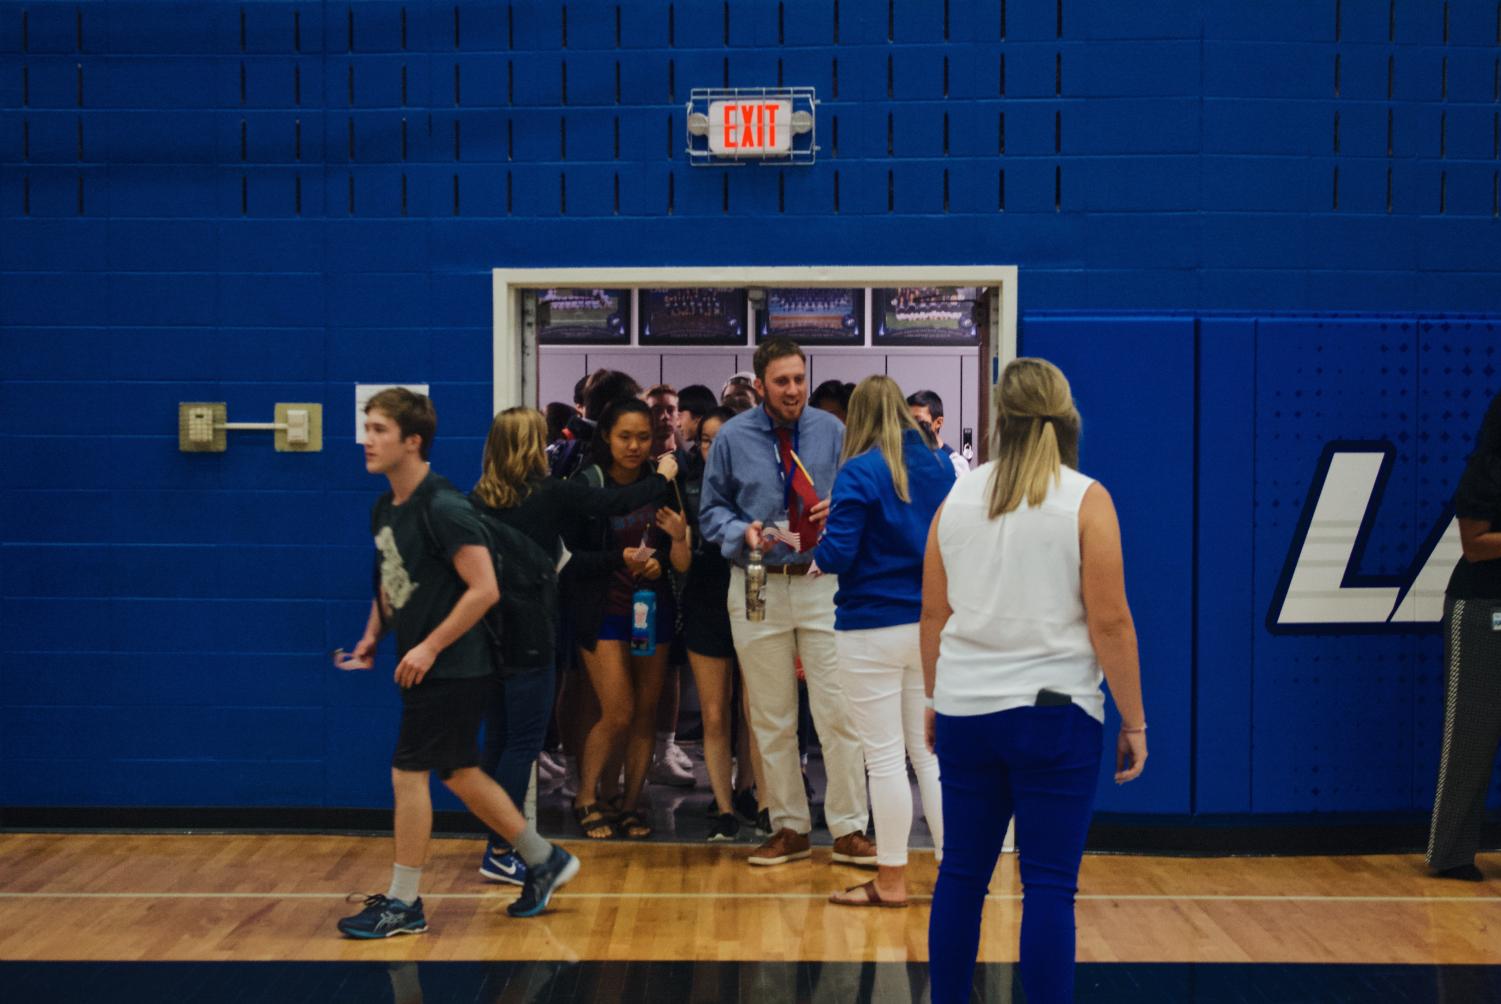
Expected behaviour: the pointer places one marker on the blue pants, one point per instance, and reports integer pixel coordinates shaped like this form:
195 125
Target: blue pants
515 726
1041 764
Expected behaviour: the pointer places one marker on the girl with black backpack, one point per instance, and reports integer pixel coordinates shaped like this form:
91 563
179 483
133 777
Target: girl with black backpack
516 490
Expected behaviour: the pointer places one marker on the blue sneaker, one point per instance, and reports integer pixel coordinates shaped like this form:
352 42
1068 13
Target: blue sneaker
503 866
384 918
542 882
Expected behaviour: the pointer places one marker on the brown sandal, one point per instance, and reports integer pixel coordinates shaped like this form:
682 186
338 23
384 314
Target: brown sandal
594 817
870 897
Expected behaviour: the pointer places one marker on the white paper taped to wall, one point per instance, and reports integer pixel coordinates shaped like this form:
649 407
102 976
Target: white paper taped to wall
363 392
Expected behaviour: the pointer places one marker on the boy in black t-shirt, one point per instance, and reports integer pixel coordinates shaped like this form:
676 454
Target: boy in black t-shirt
436 580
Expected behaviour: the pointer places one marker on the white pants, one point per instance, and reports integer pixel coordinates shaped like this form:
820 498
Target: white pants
799 623
882 673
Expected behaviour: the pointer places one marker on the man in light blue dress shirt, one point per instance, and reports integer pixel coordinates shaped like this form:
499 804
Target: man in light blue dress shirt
745 491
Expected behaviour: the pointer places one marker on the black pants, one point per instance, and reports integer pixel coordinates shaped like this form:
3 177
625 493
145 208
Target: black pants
1472 730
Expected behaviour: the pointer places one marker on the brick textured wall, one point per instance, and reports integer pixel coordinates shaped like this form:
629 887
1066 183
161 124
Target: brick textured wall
267 201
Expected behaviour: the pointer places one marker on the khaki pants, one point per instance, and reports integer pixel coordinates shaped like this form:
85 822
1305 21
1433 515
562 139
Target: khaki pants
799 622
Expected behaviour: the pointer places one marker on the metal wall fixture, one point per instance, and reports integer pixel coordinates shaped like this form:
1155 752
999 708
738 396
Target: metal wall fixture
202 427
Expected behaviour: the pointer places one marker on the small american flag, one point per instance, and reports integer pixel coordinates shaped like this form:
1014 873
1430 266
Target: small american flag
790 538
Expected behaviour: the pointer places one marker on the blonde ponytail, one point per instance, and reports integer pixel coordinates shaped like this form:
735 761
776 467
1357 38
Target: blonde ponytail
1036 434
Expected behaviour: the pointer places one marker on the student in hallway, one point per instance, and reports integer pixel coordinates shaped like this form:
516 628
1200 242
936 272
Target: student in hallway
927 408
613 559
516 490
436 579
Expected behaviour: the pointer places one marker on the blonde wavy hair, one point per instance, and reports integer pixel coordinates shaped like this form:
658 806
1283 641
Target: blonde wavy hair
515 455
878 415
1036 434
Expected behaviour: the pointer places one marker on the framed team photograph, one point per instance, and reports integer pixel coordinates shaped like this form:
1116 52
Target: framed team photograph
692 316
584 317
815 316
928 315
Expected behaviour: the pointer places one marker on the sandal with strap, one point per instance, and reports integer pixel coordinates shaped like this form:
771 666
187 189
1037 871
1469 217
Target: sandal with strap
867 896
593 818
630 825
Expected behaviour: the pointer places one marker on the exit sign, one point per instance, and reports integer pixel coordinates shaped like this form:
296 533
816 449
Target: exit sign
737 126
754 127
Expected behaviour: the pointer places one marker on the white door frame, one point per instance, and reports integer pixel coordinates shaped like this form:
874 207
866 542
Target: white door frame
514 341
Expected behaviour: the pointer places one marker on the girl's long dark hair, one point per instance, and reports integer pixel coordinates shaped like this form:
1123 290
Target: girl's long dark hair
599 448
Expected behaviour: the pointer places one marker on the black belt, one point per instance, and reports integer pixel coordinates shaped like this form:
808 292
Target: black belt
1051 699
787 569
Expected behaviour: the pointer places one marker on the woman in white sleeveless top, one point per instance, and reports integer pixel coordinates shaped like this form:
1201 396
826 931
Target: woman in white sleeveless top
1024 606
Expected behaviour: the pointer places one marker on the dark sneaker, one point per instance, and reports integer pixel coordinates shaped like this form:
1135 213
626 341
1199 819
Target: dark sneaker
763 823
503 865
542 882
384 918
724 827
744 804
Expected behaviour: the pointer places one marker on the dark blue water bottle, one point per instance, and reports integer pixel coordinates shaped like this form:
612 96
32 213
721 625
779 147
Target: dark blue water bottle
644 622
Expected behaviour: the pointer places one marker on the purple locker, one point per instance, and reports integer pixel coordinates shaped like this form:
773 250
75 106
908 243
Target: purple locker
849 368
971 406
643 364
557 373
710 369
942 374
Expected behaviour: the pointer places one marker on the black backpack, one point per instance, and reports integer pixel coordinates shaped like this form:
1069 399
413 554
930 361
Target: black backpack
528 607
521 629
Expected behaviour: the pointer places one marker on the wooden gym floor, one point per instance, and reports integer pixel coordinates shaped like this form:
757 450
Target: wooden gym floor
143 897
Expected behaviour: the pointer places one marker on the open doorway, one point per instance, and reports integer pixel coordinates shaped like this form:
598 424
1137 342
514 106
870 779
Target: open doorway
943 329
946 330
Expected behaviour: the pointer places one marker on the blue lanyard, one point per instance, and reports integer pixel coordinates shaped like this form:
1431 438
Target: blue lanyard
776 449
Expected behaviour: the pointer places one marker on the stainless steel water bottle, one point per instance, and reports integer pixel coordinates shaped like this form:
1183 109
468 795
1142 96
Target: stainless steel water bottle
755 587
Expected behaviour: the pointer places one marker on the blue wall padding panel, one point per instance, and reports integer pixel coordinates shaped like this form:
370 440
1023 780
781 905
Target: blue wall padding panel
1142 368
1345 720
271 201
1226 616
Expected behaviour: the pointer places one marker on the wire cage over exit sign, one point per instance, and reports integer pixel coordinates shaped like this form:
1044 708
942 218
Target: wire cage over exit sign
746 125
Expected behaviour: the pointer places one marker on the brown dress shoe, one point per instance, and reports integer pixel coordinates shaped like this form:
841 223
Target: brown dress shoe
855 849
785 845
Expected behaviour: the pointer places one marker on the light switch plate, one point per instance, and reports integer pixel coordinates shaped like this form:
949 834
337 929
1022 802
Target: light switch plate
311 419
200 426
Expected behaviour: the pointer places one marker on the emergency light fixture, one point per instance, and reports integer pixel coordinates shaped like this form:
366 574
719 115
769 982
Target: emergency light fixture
740 125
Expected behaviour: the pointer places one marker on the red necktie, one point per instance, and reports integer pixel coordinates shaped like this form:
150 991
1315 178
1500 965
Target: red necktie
802 497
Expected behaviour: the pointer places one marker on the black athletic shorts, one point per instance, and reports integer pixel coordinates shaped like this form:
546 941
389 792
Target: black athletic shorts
440 724
706 614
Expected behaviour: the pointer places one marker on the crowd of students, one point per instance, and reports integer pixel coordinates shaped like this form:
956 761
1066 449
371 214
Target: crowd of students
783 545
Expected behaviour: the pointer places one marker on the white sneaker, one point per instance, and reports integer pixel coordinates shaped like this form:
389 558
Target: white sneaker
665 771
680 756
548 767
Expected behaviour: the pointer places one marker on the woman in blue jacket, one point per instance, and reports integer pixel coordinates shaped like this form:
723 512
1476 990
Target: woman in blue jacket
891 483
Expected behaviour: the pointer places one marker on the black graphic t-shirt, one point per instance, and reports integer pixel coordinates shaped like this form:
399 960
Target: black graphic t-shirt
637 527
419 585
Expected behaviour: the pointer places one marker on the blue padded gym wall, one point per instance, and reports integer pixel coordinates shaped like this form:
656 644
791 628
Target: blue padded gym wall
1247 229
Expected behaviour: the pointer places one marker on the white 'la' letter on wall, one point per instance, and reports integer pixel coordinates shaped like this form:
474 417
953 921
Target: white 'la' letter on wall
1315 594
